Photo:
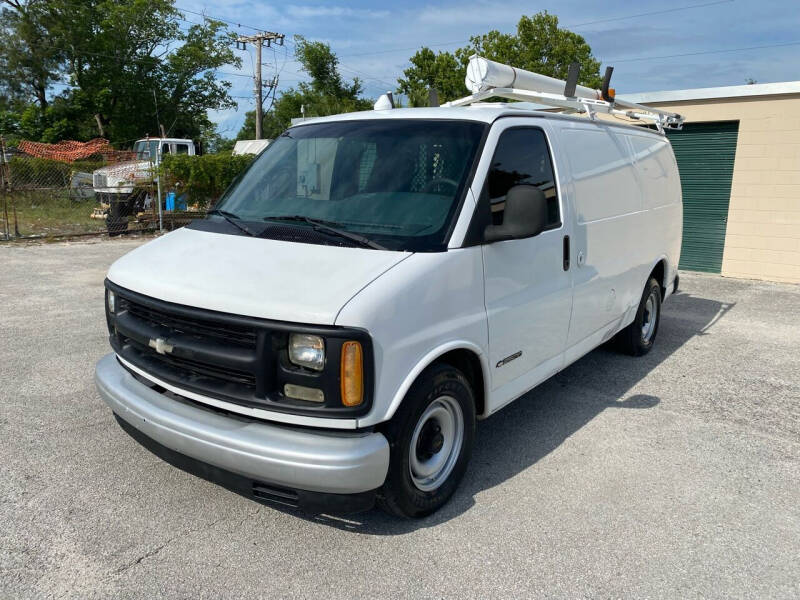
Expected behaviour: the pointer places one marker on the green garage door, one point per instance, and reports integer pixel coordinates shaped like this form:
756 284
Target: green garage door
705 153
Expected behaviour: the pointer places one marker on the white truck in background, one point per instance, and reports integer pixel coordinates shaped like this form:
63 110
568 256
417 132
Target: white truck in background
116 185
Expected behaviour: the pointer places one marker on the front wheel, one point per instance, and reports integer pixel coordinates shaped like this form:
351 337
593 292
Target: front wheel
637 338
431 439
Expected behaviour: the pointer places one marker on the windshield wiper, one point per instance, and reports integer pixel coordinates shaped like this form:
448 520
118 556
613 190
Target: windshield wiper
229 217
328 227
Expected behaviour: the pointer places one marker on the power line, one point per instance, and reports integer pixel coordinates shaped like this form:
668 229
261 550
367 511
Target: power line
234 74
642 58
288 41
698 53
435 44
206 16
650 14
403 49
346 68
573 26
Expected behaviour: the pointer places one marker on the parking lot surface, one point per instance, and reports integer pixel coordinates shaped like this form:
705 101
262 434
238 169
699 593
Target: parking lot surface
673 475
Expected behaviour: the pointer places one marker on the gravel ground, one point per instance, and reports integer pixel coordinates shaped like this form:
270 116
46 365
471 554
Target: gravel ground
674 475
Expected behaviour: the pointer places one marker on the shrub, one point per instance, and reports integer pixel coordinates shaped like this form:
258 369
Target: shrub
202 178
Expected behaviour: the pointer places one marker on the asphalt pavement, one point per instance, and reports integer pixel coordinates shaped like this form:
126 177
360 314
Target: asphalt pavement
675 475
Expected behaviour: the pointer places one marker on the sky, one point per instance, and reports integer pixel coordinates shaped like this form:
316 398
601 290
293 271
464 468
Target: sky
722 42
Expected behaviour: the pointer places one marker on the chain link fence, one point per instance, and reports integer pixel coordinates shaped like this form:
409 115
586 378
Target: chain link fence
114 195
44 198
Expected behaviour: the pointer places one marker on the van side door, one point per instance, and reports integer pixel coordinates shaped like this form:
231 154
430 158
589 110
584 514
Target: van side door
528 291
608 234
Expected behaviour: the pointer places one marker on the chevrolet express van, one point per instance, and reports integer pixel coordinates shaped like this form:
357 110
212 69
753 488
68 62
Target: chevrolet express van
375 283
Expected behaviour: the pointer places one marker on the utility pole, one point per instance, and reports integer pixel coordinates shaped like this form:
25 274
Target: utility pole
259 91
4 185
259 39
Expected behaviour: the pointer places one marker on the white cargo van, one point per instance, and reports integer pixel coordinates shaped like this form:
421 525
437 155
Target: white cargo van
375 283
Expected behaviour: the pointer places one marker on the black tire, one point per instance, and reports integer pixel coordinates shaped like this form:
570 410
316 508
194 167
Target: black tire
117 217
633 340
400 495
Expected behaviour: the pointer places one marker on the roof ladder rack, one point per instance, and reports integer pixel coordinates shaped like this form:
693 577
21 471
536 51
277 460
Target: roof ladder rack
488 79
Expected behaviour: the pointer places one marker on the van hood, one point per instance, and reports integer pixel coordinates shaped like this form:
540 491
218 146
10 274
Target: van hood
270 279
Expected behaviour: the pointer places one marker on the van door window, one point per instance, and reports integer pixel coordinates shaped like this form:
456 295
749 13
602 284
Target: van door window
164 149
181 148
522 157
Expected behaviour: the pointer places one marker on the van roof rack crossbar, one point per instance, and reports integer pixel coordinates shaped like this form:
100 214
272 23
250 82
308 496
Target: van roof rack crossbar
488 79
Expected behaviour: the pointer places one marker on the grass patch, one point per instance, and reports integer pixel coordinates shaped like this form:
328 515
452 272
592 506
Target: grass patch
51 212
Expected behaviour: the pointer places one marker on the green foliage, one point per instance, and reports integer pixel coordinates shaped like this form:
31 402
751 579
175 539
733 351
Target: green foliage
539 45
119 67
428 70
326 94
28 62
248 129
202 178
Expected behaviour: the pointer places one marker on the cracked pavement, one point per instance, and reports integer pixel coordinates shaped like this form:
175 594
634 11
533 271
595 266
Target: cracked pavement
672 475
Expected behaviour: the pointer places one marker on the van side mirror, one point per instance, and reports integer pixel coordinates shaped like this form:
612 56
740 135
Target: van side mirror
525 215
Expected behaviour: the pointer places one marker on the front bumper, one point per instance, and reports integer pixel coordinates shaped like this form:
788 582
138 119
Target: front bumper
299 459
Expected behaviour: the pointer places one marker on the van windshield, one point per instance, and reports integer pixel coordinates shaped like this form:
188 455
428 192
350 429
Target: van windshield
396 182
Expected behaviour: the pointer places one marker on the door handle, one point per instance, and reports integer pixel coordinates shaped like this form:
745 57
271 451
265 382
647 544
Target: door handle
566 253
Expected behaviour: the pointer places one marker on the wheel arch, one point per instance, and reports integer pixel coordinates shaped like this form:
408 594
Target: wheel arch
660 271
463 355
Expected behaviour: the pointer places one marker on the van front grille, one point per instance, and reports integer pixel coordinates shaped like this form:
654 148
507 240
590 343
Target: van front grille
237 359
188 368
224 333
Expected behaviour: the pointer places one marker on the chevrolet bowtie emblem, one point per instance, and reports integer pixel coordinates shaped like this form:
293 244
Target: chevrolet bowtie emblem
160 345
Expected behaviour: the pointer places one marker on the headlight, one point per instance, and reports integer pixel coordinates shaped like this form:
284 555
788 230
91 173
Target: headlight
307 351
111 299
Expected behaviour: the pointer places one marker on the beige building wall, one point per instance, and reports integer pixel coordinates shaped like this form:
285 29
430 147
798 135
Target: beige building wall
763 233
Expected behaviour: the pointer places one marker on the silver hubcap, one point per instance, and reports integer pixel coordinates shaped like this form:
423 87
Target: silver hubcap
650 317
436 443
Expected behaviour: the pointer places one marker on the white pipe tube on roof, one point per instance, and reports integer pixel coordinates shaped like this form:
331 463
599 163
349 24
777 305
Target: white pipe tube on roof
483 74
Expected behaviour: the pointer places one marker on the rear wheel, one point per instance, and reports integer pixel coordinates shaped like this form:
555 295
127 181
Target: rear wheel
431 438
637 338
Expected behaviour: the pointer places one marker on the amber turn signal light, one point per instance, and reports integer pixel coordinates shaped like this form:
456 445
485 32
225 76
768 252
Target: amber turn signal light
352 374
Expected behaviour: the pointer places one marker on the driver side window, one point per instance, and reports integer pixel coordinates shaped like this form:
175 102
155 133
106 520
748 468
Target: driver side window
522 157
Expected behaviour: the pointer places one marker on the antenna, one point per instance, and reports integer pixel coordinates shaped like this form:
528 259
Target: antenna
158 119
488 79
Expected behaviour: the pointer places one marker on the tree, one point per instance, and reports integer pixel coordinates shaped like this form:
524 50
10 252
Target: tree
326 94
128 66
248 129
157 75
28 60
539 45
442 71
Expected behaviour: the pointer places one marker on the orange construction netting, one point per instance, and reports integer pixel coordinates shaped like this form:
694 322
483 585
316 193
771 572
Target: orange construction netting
69 151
